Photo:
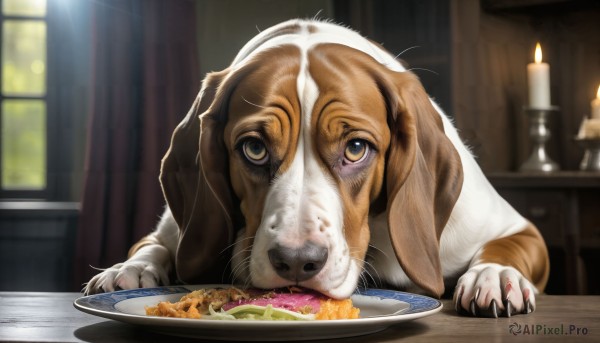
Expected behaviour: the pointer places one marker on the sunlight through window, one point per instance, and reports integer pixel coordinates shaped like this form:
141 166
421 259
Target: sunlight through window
23 119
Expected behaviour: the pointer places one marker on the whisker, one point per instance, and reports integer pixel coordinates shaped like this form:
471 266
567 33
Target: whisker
366 266
363 281
235 274
405 50
248 282
425 69
378 250
241 262
98 269
253 104
369 270
240 268
240 252
316 17
230 262
235 270
236 242
366 276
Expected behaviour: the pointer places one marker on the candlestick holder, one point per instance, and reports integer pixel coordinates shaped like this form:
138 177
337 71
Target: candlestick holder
591 156
540 134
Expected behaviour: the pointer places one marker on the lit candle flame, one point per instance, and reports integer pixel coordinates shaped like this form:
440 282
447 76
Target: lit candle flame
598 93
538 53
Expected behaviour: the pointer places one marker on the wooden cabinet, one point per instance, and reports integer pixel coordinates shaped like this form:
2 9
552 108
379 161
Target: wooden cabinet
565 206
37 241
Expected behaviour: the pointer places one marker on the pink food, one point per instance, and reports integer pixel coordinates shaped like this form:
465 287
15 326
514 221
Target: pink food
305 302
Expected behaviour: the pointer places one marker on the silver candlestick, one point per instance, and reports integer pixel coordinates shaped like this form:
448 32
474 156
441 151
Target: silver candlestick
591 157
540 134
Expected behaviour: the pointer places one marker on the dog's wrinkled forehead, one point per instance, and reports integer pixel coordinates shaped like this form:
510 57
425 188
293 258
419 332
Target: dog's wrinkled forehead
284 90
266 100
277 63
306 80
306 35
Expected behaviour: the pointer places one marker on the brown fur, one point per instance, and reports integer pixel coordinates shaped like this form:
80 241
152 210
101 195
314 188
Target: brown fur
423 172
525 251
264 105
197 194
417 169
350 106
147 240
416 175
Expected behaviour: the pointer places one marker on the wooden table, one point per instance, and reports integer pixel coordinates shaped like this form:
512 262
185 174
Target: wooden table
51 317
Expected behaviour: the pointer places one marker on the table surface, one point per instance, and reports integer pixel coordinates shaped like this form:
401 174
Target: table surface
51 317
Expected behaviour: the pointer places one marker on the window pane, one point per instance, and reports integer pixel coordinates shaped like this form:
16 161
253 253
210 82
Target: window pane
24 7
24 57
23 144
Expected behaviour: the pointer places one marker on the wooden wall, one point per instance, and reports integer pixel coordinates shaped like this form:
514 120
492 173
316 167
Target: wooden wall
417 31
478 52
490 51
224 26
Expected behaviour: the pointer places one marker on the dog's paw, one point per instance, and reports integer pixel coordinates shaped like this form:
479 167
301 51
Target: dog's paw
127 275
491 290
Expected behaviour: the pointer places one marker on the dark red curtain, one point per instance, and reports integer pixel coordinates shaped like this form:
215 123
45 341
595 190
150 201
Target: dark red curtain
145 76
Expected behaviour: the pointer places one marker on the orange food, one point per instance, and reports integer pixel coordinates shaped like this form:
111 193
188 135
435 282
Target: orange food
197 303
337 309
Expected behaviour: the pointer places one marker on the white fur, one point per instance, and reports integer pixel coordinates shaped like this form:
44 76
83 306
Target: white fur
150 265
304 199
487 282
302 205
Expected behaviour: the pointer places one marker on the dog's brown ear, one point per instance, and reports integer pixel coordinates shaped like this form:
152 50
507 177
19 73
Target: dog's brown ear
423 178
195 181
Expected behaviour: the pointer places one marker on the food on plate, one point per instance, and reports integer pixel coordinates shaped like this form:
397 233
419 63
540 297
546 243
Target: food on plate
292 303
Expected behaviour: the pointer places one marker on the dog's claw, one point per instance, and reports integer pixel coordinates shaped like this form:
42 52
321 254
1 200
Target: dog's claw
528 307
508 306
490 312
458 306
473 308
494 309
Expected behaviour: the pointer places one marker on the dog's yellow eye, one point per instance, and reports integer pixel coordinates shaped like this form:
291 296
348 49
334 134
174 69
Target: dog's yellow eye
255 151
356 150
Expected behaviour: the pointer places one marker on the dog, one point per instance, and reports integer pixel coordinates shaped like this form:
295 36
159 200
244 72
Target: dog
316 159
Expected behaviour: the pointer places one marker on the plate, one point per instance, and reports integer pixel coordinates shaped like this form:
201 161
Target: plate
379 309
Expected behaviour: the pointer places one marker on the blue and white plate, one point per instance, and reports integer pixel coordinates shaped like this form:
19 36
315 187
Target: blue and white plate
379 309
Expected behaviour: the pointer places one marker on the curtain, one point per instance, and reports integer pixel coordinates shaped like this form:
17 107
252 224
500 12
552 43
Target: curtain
145 77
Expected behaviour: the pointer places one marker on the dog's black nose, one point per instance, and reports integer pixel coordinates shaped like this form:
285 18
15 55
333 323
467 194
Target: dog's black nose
298 264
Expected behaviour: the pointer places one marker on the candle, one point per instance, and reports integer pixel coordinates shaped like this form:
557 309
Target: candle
538 75
596 106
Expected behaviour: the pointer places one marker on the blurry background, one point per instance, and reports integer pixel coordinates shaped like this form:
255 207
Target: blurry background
92 89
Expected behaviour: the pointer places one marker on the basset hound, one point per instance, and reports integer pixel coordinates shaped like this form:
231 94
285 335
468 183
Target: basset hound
316 159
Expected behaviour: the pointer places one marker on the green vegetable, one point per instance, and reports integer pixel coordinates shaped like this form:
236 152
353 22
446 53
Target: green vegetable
254 312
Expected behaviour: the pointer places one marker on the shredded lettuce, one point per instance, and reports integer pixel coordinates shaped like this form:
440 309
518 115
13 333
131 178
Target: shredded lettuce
254 312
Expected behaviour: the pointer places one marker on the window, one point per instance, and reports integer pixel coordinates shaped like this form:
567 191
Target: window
23 98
